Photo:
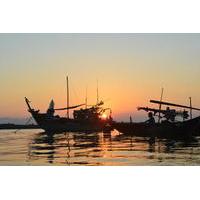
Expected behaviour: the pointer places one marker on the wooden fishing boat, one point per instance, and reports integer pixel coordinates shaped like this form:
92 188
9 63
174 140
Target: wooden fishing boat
88 119
162 130
167 128
51 123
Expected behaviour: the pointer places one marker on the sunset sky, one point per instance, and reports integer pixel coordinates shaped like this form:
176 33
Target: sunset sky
131 69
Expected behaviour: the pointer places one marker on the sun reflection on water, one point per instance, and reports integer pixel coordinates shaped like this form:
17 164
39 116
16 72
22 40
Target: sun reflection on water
32 147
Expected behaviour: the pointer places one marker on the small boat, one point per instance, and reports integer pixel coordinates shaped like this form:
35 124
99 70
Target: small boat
164 129
167 128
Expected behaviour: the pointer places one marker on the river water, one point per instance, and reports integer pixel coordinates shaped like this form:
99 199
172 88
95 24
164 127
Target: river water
35 147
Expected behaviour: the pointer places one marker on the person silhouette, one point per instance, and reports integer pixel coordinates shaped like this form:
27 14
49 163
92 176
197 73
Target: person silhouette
151 120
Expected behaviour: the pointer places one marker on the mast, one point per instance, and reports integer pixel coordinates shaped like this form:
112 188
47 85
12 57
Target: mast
160 105
97 93
86 99
131 121
67 96
190 98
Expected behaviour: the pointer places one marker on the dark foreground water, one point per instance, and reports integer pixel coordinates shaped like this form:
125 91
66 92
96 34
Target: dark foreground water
34 147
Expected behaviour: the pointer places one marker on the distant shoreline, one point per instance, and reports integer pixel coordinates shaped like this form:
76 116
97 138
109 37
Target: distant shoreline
18 126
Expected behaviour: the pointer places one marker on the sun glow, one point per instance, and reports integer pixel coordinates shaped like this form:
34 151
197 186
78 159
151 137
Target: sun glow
104 116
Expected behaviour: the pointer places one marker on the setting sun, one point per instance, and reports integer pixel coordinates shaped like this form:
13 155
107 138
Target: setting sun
104 116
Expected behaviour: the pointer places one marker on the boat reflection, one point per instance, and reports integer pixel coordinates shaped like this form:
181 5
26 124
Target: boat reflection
105 149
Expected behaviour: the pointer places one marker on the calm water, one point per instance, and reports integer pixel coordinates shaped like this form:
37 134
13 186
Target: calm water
34 147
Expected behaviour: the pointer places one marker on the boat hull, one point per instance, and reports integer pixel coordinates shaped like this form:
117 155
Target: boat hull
163 130
58 124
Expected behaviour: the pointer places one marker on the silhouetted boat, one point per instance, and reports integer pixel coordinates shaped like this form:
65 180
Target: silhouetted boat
88 119
168 128
163 130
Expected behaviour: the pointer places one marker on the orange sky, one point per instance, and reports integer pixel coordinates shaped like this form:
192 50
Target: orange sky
130 68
